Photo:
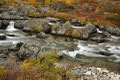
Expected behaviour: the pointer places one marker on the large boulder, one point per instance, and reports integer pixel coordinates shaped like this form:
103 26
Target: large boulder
61 30
90 27
68 30
28 50
80 33
113 31
20 24
4 24
37 25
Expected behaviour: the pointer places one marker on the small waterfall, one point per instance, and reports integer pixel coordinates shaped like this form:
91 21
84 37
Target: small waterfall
11 26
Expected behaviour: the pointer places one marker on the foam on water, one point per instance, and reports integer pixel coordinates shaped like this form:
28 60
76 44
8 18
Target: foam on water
91 49
99 31
11 26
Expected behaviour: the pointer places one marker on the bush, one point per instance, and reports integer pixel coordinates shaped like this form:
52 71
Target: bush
35 14
63 16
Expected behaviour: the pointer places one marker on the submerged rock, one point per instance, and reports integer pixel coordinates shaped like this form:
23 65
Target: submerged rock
2 37
4 24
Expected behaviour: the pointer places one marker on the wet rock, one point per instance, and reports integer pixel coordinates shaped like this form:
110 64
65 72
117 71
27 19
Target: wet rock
2 37
99 39
41 35
4 24
20 24
19 45
16 48
105 53
113 31
90 27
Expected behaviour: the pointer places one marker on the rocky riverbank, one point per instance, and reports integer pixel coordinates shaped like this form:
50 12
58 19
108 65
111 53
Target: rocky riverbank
71 38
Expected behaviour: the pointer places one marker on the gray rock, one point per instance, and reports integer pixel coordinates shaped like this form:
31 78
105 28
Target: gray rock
80 33
4 24
41 35
28 50
20 24
60 30
90 27
106 34
112 30
36 24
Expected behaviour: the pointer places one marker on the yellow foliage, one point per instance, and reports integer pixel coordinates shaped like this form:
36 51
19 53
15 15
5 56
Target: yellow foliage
63 16
2 73
47 2
75 34
69 31
50 12
35 14
38 28
44 66
68 2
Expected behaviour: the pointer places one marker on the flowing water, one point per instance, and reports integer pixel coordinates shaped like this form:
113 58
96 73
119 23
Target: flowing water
86 52
13 36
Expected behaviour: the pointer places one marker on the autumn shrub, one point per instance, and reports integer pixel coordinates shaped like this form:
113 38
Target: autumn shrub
41 68
37 28
51 13
69 31
63 16
2 73
34 14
